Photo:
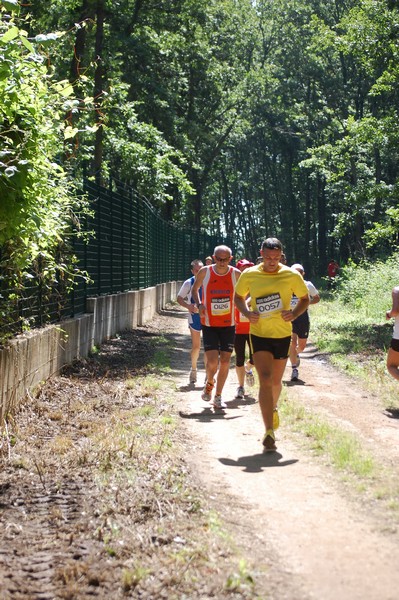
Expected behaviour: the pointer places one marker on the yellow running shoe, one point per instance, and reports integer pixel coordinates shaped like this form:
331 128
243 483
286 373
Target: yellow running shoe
269 442
276 419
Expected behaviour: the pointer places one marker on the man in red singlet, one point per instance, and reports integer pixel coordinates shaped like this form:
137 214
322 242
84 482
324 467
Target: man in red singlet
217 319
332 272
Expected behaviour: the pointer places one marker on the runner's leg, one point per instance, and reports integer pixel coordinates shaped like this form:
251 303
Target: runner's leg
195 347
264 364
278 371
293 350
393 363
212 363
224 366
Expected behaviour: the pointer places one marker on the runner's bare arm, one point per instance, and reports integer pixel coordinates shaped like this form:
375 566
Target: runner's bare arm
242 306
196 286
192 308
394 312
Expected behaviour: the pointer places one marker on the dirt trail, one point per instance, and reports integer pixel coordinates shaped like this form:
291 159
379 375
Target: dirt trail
317 536
304 533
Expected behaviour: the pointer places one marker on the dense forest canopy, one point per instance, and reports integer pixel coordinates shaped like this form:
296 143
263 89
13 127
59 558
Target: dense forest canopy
251 118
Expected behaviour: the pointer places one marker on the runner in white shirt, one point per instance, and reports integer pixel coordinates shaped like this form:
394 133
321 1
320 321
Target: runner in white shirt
185 299
301 325
393 351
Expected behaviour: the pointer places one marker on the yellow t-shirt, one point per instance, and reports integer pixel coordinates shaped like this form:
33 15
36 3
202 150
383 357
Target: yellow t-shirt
270 294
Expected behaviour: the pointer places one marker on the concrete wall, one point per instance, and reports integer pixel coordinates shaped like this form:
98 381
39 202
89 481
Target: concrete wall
31 358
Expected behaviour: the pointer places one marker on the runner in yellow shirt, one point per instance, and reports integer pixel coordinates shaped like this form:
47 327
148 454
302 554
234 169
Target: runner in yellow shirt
270 285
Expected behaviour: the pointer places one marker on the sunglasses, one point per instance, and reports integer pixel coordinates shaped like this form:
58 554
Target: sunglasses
220 259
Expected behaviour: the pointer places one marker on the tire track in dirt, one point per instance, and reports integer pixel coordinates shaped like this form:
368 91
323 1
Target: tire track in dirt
29 558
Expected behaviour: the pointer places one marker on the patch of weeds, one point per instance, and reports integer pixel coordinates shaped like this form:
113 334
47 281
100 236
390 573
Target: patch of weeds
344 452
19 463
56 415
130 383
342 448
356 344
241 580
347 454
148 386
132 577
145 411
110 551
393 504
61 444
161 361
162 340
215 525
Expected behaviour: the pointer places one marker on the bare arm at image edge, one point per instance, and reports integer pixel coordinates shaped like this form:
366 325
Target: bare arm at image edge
394 312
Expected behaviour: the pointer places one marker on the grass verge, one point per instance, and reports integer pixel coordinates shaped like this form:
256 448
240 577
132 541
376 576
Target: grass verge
107 429
343 451
356 344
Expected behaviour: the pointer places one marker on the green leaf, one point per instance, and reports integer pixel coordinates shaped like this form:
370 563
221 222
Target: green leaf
12 5
11 34
27 44
70 132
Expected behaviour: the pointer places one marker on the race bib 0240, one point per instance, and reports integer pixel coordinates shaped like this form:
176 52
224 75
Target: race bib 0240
266 305
220 306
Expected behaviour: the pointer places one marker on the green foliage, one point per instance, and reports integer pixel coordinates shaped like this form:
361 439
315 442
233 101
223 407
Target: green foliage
252 118
39 204
145 160
366 287
351 325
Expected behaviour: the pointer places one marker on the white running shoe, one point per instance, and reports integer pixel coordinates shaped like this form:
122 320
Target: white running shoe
207 391
295 374
218 402
240 393
193 376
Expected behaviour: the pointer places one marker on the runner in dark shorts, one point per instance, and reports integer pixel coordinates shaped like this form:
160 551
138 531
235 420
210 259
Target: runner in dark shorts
393 351
301 325
218 338
270 286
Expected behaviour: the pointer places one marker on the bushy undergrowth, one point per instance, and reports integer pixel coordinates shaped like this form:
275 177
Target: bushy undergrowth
350 325
367 287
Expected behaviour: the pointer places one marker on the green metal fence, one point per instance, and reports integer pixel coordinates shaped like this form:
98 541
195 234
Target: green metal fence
132 248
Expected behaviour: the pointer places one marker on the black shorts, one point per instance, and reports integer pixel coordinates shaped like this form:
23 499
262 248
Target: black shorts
279 347
395 344
218 338
301 326
239 346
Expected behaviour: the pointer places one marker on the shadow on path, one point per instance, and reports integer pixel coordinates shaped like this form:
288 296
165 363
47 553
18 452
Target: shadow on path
207 415
255 463
392 413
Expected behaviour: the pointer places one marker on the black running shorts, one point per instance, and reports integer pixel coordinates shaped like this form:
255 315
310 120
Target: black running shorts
395 344
301 325
279 347
218 338
239 346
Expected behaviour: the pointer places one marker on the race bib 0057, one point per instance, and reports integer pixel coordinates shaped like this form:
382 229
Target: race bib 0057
220 306
267 305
